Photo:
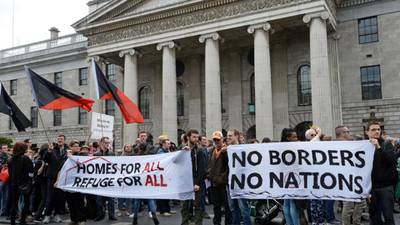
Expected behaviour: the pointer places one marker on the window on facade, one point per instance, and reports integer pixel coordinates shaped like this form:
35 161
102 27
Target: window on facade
110 108
57 118
110 71
13 87
83 76
82 116
304 85
180 99
368 30
252 103
58 79
10 124
144 102
34 116
371 82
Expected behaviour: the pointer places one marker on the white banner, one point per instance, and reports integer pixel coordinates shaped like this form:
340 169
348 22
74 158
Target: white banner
339 170
102 126
163 176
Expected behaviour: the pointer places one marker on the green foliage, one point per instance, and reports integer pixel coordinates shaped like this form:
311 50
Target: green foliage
4 140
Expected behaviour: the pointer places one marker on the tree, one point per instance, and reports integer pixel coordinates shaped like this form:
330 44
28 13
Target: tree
7 141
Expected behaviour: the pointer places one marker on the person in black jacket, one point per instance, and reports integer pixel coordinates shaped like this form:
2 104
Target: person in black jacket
21 173
384 177
76 201
60 149
218 170
40 181
199 171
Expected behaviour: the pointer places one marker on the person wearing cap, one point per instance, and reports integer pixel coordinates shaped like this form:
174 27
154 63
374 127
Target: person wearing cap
218 175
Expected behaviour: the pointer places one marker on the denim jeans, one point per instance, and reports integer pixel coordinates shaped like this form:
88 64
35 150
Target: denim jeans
150 202
291 212
3 198
100 203
240 209
330 210
124 203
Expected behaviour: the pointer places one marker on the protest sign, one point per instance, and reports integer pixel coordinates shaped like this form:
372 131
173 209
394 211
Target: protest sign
102 126
163 176
339 170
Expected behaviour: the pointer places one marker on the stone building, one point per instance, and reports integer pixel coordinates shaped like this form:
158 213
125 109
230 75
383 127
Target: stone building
254 65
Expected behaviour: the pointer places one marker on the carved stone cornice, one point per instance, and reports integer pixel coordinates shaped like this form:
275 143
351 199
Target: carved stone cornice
168 44
264 26
214 36
349 3
200 13
131 52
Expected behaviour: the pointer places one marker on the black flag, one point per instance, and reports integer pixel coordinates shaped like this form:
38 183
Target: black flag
8 107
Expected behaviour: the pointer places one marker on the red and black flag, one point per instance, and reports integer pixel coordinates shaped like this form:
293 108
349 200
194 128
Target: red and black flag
8 107
50 96
107 90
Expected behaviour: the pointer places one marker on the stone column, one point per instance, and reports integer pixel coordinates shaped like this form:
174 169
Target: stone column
169 104
130 131
280 101
235 91
320 73
262 79
212 83
195 93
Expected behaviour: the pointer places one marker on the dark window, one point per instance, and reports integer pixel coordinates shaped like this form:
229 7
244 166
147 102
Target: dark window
83 76
180 97
304 85
368 30
58 79
82 116
371 82
34 116
13 87
110 107
110 71
10 124
57 118
252 103
144 102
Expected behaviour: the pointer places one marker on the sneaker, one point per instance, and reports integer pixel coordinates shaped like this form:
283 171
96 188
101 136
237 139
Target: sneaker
131 216
57 219
334 222
119 213
166 214
46 220
150 215
172 211
82 223
206 216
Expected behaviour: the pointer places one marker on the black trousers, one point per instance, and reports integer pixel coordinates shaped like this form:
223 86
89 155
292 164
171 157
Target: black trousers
43 190
382 203
76 205
51 199
220 199
15 195
163 206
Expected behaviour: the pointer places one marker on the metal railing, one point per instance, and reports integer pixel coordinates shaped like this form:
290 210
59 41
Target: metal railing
42 45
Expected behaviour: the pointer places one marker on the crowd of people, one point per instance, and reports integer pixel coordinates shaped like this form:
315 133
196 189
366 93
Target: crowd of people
28 176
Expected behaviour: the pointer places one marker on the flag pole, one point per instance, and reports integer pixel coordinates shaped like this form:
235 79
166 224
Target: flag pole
44 128
37 103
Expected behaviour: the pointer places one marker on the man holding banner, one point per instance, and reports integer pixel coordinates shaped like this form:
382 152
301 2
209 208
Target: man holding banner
384 177
100 200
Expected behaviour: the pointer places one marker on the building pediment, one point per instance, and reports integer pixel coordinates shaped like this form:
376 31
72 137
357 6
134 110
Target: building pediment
117 10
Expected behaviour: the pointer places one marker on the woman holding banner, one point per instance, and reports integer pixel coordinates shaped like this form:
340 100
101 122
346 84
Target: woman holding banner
290 210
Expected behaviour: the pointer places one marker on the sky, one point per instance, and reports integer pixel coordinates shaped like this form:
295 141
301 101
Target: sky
33 19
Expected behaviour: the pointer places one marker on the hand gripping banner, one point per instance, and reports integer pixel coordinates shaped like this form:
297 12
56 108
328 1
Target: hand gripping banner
163 176
339 170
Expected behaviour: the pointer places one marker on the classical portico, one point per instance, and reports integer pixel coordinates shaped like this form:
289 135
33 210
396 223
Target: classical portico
207 35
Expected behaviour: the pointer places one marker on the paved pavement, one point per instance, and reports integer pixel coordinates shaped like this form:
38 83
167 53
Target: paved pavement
173 220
